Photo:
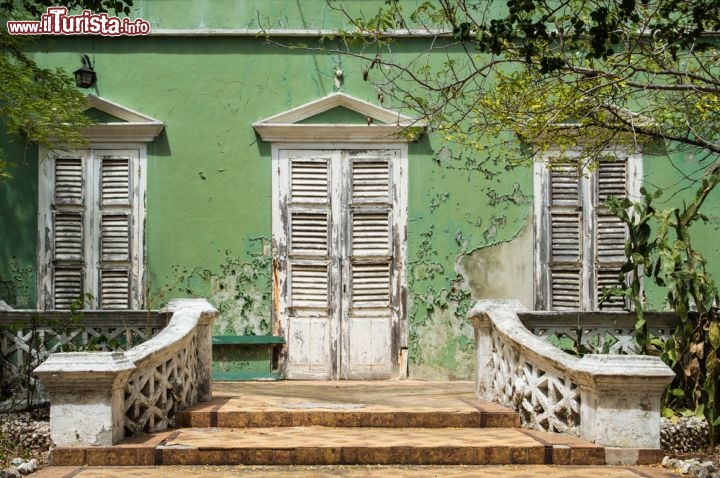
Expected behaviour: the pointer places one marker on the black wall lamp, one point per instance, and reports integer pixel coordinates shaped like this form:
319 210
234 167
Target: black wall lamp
85 77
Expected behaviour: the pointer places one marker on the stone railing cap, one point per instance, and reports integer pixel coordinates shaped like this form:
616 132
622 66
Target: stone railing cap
482 306
84 362
624 365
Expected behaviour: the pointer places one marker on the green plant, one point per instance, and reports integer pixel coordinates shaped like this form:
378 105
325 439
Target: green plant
670 260
575 343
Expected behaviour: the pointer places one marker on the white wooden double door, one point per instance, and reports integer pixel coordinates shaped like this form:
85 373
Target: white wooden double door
339 247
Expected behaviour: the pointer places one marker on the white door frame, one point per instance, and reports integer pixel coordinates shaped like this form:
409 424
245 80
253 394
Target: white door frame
399 337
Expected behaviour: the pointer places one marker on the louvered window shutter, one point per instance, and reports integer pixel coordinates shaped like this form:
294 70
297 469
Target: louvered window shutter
114 269
565 242
370 224
68 214
309 232
610 232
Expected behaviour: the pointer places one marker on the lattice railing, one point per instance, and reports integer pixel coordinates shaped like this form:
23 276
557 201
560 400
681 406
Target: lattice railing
593 332
136 391
611 399
28 337
544 400
154 395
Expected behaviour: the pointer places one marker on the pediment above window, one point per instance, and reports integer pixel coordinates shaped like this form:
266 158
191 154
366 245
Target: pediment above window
115 122
339 117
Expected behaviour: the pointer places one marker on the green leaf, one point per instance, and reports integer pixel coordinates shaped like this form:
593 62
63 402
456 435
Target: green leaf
677 392
714 334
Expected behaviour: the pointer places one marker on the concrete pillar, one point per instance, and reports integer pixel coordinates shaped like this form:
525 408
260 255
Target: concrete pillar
620 398
484 371
86 391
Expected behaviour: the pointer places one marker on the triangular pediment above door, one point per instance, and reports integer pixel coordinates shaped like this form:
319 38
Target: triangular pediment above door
339 117
115 122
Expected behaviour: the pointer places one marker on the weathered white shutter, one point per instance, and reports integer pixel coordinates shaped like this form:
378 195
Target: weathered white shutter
367 328
68 214
114 265
309 242
610 232
564 208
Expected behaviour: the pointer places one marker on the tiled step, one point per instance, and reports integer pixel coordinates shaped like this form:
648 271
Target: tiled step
241 412
357 471
339 446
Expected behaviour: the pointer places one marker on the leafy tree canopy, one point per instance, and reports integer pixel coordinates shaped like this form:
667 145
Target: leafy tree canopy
628 72
38 104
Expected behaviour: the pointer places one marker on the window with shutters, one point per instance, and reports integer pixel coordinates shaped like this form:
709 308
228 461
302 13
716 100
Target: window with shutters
580 245
91 218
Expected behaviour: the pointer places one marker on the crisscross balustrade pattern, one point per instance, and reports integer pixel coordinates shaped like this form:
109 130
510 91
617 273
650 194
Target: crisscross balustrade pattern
136 391
28 337
154 395
545 400
592 332
611 399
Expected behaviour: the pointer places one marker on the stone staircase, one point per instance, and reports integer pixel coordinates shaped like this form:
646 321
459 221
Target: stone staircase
345 423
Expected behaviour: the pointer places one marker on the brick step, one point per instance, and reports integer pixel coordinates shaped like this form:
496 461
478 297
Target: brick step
356 471
241 412
341 446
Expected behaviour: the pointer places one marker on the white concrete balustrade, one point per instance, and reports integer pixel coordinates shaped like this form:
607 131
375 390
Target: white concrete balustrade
610 399
98 398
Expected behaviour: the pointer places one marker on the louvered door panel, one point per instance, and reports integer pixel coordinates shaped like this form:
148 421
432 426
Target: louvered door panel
68 230
611 179
566 288
309 241
309 180
370 285
370 233
68 181
610 232
309 233
68 235
611 237
309 287
115 180
369 245
115 239
565 236
565 184
114 289
607 278
371 181
67 285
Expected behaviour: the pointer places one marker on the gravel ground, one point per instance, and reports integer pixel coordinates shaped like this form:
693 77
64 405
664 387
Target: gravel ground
26 435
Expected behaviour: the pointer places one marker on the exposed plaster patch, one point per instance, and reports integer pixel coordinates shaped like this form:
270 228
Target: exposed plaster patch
503 270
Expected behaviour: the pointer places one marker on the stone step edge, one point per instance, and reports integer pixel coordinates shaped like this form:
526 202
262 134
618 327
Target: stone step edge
541 454
217 418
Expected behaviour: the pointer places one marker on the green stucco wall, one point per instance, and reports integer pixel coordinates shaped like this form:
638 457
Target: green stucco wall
208 205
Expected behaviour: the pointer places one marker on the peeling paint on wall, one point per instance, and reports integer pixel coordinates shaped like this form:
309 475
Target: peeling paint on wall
240 288
17 286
